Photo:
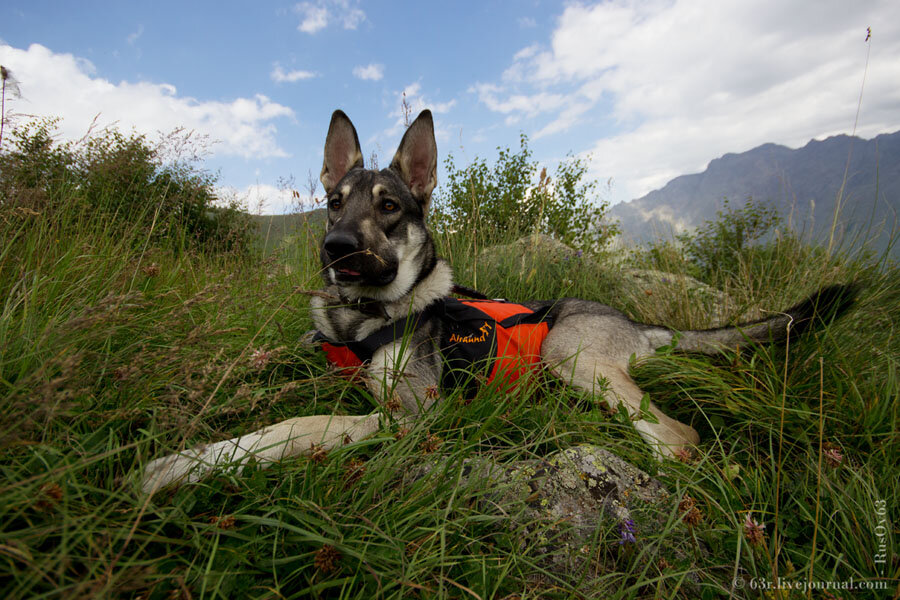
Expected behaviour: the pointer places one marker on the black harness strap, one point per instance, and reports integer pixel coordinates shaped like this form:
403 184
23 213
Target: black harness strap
365 348
467 292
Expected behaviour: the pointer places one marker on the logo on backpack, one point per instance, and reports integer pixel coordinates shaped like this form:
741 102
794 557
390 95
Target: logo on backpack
485 330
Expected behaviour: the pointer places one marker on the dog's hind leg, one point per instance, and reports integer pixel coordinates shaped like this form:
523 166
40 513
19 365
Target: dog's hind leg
667 436
292 437
596 367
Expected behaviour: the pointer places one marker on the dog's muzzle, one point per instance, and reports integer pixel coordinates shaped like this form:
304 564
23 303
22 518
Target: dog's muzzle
343 251
340 244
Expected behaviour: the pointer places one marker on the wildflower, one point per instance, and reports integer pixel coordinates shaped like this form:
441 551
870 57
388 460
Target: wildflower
684 455
401 433
51 494
317 453
260 358
431 444
394 403
753 531
353 470
226 522
691 514
327 559
833 455
626 530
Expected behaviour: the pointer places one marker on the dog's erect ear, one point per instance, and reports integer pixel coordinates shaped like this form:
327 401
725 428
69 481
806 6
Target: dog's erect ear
342 151
416 158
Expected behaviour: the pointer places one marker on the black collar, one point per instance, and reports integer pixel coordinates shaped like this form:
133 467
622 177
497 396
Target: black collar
367 306
377 308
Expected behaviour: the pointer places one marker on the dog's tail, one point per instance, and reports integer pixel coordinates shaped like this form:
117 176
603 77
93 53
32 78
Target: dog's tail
821 308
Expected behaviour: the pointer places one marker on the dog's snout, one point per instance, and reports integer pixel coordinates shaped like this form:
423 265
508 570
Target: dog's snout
339 244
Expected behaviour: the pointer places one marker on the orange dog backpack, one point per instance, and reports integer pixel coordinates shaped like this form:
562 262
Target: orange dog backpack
497 340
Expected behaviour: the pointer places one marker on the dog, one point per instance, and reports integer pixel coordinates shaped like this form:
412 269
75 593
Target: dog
384 281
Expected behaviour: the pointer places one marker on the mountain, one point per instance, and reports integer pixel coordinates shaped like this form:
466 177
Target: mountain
803 185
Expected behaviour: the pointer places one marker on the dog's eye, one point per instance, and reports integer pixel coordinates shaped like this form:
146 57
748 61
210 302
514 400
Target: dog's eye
335 203
389 206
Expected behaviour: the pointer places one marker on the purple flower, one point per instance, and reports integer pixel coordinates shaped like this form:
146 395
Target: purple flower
754 531
626 529
833 456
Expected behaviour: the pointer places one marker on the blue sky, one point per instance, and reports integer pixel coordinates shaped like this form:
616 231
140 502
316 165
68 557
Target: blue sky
648 90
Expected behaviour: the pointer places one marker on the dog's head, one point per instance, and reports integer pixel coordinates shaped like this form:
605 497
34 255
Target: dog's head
375 234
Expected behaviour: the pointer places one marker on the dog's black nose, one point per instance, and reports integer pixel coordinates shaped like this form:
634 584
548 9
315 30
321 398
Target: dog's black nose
339 244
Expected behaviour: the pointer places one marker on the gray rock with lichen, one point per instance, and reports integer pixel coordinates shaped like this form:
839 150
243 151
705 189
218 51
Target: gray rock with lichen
636 284
564 504
525 254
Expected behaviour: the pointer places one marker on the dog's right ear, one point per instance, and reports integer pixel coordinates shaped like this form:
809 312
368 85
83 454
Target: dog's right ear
416 159
342 151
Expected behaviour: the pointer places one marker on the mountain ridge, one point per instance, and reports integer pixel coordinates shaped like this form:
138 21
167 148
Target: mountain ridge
803 185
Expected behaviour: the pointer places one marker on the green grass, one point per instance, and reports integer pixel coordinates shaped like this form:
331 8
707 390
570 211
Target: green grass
113 352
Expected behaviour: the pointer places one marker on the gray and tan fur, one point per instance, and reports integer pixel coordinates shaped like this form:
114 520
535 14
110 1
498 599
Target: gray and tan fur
380 266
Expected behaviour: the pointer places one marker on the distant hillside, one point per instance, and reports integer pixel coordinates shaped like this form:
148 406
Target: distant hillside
803 185
272 228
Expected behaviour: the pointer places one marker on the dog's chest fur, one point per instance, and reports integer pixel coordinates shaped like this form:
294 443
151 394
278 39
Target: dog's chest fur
343 321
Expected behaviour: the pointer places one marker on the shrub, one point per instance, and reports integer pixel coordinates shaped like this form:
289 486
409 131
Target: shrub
717 246
513 197
120 183
717 250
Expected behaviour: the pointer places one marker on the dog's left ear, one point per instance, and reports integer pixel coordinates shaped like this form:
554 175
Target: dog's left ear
416 158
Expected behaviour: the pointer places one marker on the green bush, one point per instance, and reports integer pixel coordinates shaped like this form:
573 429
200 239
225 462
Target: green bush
513 197
717 246
721 248
117 182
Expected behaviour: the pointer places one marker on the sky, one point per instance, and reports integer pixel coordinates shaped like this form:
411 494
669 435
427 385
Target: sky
645 89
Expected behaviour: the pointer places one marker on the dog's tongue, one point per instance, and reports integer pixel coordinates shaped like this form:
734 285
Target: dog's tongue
349 272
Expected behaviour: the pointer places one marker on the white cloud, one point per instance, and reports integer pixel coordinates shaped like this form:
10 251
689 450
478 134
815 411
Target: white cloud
526 105
352 18
316 16
681 82
371 72
262 199
66 86
279 75
132 38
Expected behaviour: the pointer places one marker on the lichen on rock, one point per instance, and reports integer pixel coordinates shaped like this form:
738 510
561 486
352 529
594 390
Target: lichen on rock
571 500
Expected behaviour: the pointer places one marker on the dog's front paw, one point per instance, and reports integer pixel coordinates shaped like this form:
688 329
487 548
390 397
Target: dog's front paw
308 339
